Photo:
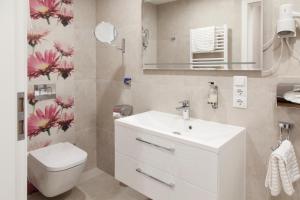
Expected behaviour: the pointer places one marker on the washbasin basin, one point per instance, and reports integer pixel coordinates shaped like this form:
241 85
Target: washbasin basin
205 134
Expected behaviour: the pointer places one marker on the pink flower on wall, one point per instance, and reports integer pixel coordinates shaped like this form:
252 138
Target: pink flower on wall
66 121
43 9
65 16
64 50
40 121
65 69
35 37
67 2
69 103
42 64
58 114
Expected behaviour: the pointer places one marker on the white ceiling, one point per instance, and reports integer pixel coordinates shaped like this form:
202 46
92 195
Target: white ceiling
157 2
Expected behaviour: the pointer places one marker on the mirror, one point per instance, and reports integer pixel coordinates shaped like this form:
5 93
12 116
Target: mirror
105 32
202 34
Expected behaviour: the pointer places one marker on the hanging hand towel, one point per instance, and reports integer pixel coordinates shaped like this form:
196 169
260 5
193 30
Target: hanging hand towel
273 178
203 39
288 166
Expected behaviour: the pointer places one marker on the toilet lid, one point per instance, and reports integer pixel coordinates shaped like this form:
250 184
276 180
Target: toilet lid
59 157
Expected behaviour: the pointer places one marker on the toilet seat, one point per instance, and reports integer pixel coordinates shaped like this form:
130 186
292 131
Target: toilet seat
59 157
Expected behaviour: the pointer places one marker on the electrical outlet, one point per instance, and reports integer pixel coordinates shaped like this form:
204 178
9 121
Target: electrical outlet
240 90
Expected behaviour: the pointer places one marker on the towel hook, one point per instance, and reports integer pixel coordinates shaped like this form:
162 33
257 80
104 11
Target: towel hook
283 127
287 127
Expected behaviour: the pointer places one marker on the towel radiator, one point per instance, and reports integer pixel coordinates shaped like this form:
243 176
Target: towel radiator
215 58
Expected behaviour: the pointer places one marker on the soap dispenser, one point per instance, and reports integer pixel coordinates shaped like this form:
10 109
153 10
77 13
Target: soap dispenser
213 95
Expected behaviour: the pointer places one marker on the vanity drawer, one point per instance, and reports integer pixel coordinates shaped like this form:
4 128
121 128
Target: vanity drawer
160 187
198 167
191 164
147 148
154 183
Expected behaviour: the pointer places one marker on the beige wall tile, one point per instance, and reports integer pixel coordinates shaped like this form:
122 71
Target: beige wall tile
110 93
85 78
85 59
85 42
85 104
105 150
161 90
86 140
85 13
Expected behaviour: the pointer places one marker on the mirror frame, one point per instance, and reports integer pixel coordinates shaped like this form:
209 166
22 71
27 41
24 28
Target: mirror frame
245 12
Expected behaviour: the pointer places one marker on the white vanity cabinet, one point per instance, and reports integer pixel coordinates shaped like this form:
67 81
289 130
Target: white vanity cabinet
167 166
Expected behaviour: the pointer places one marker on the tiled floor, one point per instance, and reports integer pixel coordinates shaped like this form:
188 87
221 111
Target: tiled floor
100 187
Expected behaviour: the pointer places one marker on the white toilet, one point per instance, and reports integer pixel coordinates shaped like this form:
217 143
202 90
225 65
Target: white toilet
56 169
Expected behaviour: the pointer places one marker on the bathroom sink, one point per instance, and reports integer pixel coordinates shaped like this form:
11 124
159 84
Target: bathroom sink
205 134
165 157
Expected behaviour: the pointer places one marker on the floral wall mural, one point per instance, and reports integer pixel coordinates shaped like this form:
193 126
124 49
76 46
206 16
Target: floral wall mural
62 52
50 61
50 38
41 121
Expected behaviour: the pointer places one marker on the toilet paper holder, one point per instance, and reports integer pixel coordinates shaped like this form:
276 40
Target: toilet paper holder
122 110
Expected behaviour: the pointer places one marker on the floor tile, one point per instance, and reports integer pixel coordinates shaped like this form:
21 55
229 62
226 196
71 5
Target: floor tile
100 187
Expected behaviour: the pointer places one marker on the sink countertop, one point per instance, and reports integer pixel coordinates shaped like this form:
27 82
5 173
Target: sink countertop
204 134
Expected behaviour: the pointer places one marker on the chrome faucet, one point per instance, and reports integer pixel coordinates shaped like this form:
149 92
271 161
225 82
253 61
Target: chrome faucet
185 108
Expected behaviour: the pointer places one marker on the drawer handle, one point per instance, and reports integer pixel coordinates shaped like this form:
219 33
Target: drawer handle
155 145
171 185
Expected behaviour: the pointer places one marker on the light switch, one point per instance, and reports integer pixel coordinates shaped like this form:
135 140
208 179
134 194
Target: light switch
240 81
240 90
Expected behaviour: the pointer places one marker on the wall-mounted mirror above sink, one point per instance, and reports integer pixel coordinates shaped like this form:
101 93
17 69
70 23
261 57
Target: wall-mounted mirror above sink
202 34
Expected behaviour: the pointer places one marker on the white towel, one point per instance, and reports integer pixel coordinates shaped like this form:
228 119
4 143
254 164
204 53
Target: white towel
273 178
282 162
288 166
203 39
